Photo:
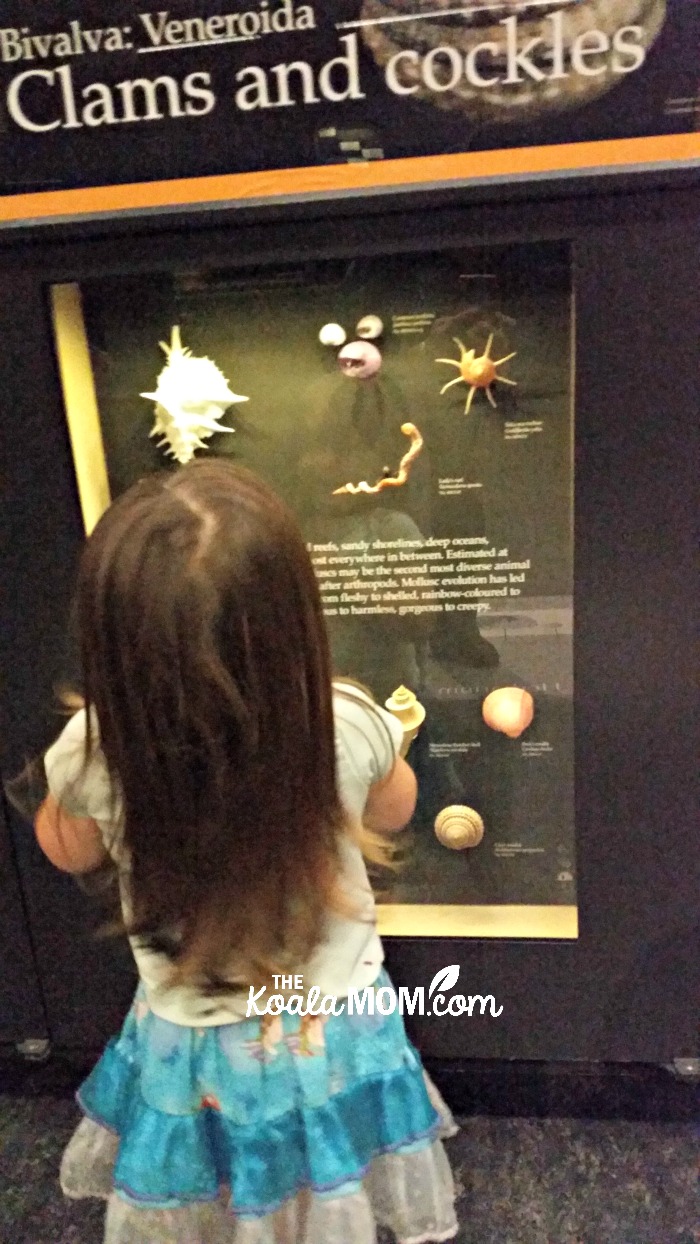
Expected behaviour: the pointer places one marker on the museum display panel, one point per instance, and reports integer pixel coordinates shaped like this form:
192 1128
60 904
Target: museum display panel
609 364
418 413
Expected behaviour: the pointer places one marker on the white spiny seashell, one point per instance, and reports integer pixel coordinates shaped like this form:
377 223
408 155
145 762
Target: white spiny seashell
191 397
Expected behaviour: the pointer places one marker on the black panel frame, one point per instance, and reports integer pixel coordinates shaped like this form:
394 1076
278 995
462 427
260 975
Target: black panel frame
22 1013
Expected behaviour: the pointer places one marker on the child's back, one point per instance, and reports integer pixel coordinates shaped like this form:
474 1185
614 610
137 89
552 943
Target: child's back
227 780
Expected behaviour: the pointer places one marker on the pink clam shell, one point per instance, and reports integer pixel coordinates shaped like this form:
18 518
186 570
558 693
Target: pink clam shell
360 360
510 710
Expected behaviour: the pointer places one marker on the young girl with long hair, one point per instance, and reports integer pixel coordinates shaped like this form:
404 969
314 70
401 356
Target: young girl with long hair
227 779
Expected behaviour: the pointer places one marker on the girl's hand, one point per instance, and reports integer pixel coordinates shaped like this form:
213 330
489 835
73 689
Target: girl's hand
73 843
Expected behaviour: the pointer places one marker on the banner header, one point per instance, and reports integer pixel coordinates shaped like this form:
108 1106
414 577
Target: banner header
110 95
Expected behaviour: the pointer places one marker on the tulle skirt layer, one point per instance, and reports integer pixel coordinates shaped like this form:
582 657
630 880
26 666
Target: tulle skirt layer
271 1131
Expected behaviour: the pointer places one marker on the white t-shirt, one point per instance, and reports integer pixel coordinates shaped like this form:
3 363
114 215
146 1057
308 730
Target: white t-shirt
367 742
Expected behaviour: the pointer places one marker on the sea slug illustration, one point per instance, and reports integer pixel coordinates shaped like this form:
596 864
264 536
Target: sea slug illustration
389 481
191 396
477 372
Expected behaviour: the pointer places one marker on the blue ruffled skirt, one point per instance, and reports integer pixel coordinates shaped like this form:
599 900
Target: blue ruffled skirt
307 1131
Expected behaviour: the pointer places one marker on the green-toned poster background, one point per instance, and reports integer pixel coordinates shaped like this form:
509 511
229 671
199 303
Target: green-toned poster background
491 489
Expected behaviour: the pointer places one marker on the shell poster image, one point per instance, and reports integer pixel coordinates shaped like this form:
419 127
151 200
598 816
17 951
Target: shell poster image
105 94
510 62
417 412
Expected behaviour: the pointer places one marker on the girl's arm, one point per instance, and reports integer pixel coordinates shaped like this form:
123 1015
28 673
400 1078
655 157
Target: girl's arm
392 802
73 843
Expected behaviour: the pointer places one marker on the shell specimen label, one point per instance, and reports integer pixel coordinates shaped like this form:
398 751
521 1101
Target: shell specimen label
191 397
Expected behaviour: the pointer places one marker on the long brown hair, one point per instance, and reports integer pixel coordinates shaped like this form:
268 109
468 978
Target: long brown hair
206 661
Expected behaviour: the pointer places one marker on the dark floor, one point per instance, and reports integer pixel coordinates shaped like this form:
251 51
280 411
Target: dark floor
522 1180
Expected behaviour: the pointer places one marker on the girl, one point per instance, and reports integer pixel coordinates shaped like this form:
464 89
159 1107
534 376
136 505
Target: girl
226 778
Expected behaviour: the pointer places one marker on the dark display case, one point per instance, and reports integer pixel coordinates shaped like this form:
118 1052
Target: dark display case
570 489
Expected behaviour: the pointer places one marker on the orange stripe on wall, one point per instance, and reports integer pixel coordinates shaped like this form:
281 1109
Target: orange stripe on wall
337 178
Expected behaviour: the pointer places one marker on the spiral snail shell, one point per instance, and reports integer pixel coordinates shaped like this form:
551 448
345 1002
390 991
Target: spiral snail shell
459 827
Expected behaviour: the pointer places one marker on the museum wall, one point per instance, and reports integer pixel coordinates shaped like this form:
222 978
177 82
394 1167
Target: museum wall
22 1014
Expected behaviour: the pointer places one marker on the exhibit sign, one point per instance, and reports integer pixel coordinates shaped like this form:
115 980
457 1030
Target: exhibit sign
417 413
109 106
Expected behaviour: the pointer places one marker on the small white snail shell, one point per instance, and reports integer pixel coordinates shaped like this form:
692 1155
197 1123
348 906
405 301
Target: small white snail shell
509 710
370 328
406 708
459 827
333 335
404 705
